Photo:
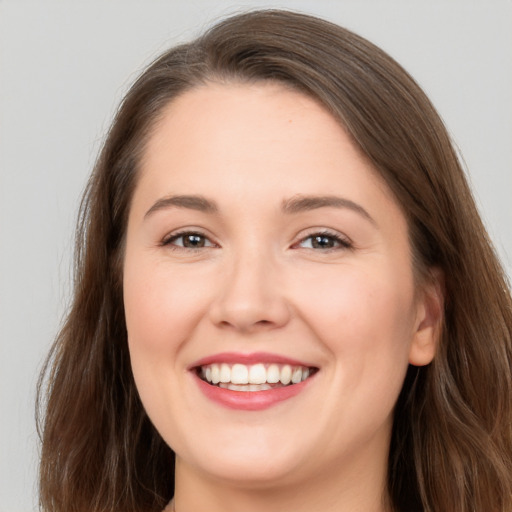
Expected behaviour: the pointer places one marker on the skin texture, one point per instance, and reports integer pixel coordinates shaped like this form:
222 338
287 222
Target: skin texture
258 285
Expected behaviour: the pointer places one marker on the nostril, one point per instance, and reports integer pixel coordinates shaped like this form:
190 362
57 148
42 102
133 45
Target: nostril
248 326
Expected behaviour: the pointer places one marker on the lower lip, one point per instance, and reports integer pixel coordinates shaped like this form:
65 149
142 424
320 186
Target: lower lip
250 400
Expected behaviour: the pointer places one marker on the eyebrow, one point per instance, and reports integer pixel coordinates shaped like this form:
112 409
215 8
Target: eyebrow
191 202
302 203
296 204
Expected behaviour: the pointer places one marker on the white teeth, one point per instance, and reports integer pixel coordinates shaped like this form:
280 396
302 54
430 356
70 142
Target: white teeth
241 387
257 374
297 375
256 377
225 373
273 374
286 374
215 374
239 374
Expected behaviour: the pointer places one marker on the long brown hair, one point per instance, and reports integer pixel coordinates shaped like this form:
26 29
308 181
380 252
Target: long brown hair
451 447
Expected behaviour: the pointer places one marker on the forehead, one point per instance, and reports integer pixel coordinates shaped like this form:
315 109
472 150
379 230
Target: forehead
251 140
249 113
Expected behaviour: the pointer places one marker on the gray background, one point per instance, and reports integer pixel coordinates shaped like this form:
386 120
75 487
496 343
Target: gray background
64 65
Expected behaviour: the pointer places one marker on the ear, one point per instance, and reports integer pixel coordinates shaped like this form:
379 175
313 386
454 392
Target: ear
429 319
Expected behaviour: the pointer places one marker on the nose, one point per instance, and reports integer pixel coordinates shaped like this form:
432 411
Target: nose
251 296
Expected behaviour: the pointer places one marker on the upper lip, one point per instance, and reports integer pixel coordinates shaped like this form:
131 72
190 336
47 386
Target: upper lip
248 359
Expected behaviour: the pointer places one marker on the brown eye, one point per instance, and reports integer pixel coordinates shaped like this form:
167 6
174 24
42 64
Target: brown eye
324 241
193 241
189 240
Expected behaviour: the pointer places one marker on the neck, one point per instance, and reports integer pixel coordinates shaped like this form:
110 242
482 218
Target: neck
361 489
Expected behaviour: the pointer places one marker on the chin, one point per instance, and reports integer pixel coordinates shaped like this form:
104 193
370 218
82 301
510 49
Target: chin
248 465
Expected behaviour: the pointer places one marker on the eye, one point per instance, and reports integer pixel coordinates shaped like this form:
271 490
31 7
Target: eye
188 240
324 241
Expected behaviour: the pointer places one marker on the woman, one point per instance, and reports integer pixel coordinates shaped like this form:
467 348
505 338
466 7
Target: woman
284 298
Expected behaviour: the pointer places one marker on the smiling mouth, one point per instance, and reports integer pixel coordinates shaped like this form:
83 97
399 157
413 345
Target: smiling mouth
256 377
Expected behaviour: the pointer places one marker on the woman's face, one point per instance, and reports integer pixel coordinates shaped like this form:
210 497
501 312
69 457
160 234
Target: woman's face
262 247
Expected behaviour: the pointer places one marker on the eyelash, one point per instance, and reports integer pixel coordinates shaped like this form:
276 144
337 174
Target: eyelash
341 242
168 242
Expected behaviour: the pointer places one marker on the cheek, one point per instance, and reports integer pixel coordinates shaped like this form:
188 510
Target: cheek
162 307
366 323
354 300
365 319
